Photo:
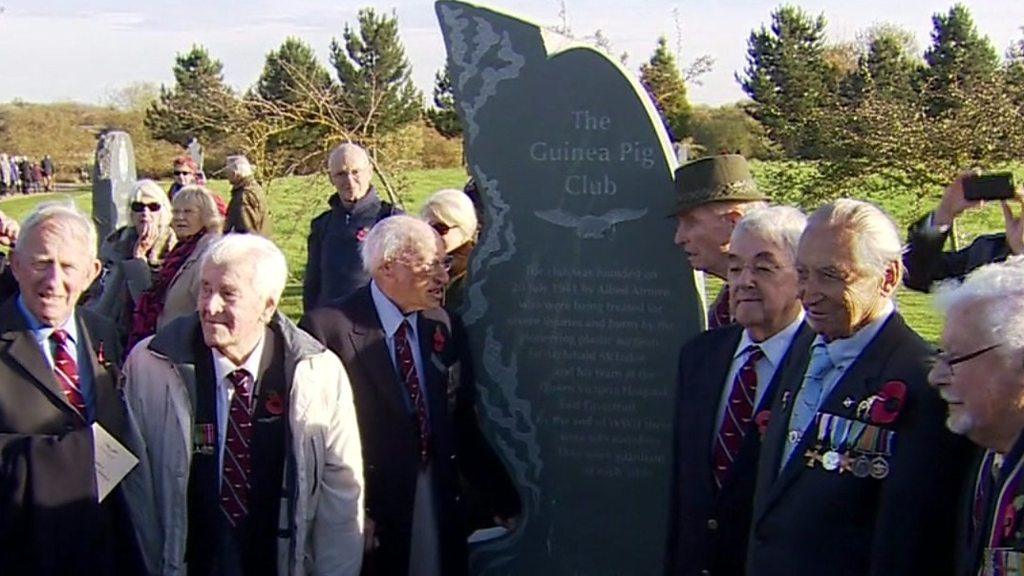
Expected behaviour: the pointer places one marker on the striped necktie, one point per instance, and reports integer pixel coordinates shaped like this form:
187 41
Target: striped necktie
234 487
65 369
739 412
407 369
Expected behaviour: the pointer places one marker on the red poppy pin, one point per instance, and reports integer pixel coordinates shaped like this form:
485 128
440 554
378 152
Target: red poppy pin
762 419
439 339
884 407
361 234
101 357
274 404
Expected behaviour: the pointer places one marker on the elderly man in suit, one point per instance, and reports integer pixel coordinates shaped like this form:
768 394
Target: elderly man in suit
857 473
980 375
58 390
393 339
727 378
252 461
713 194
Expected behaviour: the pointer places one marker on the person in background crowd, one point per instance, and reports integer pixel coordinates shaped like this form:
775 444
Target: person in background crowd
59 384
196 224
247 209
925 260
727 379
184 174
392 337
26 172
333 267
713 194
49 173
980 375
5 175
15 174
8 236
451 214
857 473
253 462
132 255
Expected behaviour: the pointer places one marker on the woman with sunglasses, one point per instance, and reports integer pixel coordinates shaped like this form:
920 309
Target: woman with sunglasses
197 223
132 254
451 214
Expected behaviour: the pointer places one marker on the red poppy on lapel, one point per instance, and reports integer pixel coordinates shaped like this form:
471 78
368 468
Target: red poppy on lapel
887 403
439 340
101 358
361 234
275 404
762 419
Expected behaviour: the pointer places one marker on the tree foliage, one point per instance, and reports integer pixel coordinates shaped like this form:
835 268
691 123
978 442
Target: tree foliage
958 59
790 80
661 77
375 76
199 104
442 116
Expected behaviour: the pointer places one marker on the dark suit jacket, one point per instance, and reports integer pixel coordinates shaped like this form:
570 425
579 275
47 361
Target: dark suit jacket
811 521
50 520
927 263
708 527
352 330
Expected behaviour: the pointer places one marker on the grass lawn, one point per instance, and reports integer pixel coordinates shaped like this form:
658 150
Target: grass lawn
297 200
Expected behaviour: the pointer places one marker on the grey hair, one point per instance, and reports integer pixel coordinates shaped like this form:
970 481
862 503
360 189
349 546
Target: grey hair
238 166
994 294
779 225
348 148
394 237
203 196
65 211
454 209
269 267
876 239
148 188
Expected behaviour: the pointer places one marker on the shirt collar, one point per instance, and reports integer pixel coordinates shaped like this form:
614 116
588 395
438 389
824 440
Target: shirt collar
43 331
222 366
774 347
390 316
843 351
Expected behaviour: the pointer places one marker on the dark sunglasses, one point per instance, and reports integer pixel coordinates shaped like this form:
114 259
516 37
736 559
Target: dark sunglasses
140 206
181 173
441 228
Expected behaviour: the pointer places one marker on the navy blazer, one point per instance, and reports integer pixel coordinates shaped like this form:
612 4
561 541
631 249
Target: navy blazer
812 521
927 263
352 330
708 527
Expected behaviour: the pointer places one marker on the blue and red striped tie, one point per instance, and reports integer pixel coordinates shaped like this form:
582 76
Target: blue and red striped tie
407 370
739 412
65 369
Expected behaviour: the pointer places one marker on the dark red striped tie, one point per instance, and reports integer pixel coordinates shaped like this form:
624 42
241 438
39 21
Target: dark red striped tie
65 369
720 315
407 369
739 411
234 486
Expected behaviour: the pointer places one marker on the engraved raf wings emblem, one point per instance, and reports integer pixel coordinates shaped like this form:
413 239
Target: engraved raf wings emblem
591 227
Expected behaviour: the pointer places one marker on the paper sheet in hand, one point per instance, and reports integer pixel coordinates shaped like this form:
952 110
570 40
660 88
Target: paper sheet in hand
113 460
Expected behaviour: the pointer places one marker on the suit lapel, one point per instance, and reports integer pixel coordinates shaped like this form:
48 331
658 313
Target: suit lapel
21 347
859 382
434 373
110 412
714 366
371 349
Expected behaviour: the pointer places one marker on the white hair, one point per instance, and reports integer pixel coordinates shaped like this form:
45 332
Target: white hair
454 209
211 219
346 148
269 267
994 296
778 225
149 189
875 236
64 211
395 237
238 166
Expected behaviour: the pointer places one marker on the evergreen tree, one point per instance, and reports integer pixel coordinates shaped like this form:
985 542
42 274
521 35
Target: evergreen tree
288 70
375 76
442 116
792 84
200 104
1014 69
661 78
958 60
888 66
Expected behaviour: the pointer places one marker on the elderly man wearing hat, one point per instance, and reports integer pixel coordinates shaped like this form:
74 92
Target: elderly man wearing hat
714 194
247 209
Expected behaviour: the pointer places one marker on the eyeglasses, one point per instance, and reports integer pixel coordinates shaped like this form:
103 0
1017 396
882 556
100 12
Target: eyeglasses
441 228
140 206
950 361
444 263
182 173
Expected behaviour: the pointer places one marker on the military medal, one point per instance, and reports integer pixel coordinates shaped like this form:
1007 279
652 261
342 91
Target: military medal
862 466
879 468
203 440
830 460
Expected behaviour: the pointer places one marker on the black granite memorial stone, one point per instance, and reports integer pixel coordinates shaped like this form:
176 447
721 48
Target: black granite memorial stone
578 301
112 182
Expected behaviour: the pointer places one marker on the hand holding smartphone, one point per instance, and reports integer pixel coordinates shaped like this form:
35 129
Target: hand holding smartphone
994 186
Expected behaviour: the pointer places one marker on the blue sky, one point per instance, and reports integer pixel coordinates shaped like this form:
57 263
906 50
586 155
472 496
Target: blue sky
83 50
